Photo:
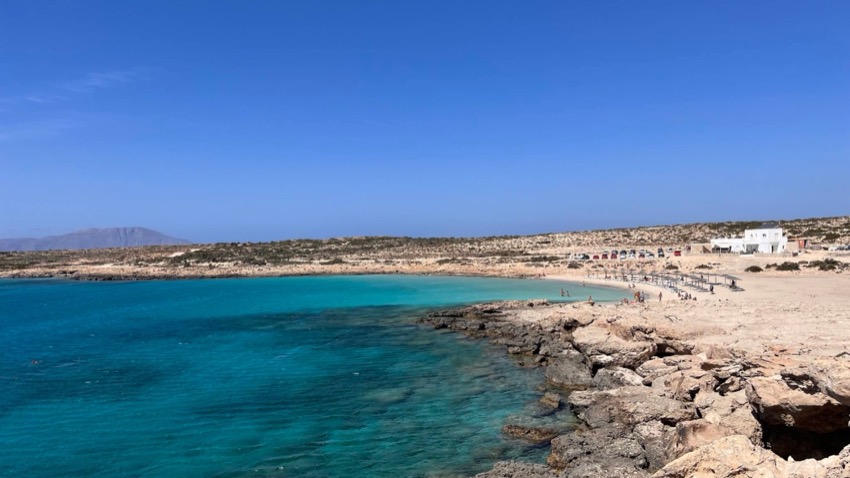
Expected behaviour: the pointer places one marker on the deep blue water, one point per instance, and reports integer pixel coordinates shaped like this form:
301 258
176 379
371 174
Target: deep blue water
308 376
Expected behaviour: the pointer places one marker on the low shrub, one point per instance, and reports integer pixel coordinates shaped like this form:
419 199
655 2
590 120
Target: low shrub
788 266
828 264
753 269
703 266
574 265
671 267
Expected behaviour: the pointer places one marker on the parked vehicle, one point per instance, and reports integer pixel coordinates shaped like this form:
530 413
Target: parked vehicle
677 253
604 256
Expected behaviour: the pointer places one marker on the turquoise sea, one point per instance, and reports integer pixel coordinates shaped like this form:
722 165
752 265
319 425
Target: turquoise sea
302 376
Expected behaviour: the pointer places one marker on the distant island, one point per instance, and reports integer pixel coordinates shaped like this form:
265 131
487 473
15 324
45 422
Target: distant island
92 239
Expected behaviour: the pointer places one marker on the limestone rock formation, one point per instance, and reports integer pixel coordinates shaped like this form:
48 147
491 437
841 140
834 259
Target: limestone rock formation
629 406
517 469
776 403
603 348
569 374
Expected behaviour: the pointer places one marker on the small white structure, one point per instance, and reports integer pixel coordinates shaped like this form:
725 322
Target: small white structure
766 239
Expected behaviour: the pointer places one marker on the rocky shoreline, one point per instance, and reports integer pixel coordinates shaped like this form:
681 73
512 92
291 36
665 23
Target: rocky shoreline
652 401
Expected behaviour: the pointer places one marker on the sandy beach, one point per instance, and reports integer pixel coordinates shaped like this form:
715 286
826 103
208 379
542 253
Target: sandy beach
753 371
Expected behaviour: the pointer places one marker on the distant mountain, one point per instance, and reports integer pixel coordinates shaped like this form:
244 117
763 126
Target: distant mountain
92 239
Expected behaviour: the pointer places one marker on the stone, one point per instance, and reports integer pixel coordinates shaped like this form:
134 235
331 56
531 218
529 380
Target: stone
775 403
602 348
615 377
684 385
655 438
607 447
628 406
729 457
568 374
833 379
731 411
693 434
534 435
551 400
517 469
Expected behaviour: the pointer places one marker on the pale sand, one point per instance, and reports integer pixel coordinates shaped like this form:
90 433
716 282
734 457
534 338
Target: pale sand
776 314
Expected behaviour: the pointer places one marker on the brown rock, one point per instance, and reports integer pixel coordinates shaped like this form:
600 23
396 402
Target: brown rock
693 434
607 448
603 349
728 457
730 411
551 400
569 374
516 469
530 434
775 403
832 378
684 385
615 377
629 406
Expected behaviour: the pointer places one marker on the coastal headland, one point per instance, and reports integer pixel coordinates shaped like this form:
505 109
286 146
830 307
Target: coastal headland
730 366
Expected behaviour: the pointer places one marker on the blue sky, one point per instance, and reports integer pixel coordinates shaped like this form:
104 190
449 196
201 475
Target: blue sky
220 121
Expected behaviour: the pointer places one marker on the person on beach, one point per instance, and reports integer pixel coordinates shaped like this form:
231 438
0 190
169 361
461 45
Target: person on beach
659 297
562 292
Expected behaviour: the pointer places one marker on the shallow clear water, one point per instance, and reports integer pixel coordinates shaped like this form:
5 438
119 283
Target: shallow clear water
309 376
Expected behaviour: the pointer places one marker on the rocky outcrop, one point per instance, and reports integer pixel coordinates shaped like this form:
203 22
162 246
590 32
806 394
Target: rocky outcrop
832 378
568 374
616 377
588 452
517 469
728 457
736 457
604 348
531 434
776 403
629 406
691 412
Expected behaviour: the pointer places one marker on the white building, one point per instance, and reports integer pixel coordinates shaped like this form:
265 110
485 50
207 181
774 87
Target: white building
766 239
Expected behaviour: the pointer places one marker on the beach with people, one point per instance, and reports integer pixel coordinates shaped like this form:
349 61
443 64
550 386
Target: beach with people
704 353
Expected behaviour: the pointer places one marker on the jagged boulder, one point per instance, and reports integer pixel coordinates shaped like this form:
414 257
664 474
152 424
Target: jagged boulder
608 448
832 378
604 348
728 457
518 469
550 401
569 374
774 402
536 435
615 377
693 434
684 385
736 457
731 411
629 406
656 439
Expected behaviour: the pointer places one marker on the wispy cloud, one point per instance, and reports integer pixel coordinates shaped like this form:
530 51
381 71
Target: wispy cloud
50 111
104 79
